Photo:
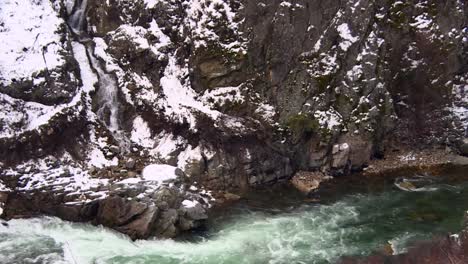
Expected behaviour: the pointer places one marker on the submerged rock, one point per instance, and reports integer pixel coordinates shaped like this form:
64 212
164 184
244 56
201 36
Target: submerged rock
406 185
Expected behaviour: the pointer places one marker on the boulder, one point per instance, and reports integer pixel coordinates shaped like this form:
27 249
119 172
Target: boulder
186 224
214 68
141 227
167 197
165 225
464 147
231 197
308 181
360 151
340 155
117 211
196 212
114 150
130 164
316 158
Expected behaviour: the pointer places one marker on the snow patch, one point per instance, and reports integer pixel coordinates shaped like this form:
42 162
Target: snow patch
98 159
329 119
345 34
202 16
267 111
222 95
68 178
179 101
29 42
88 77
141 133
408 157
189 203
151 3
159 173
187 156
422 22
168 144
130 181
3 188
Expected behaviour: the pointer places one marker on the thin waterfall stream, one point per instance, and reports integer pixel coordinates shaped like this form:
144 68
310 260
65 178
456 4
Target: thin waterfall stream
108 111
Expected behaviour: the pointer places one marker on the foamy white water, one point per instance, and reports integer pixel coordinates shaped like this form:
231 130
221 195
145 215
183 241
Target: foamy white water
358 224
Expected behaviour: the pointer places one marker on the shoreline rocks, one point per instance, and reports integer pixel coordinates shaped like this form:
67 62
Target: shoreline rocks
428 160
447 249
137 209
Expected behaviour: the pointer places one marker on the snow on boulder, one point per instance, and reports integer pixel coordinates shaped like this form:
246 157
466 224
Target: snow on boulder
189 203
160 172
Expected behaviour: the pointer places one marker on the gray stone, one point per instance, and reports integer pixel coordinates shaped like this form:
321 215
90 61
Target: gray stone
114 149
340 155
130 164
117 211
185 224
165 226
142 226
464 147
196 213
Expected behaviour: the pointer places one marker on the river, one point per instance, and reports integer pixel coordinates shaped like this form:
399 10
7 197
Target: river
275 228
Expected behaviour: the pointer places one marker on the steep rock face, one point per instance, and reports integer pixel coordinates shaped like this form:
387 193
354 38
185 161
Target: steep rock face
289 82
236 93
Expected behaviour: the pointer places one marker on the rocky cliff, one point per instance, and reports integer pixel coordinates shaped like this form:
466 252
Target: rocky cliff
235 93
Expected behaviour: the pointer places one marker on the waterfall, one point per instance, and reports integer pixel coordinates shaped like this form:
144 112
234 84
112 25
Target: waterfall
108 111
76 20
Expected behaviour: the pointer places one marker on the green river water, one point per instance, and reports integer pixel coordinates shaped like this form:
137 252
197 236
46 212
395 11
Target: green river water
275 230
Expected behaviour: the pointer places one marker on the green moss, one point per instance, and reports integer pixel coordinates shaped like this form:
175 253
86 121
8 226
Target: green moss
301 125
432 10
309 59
216 51
323 82
342 100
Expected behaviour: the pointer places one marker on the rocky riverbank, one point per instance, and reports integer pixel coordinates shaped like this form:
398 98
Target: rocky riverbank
159 202
450 249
